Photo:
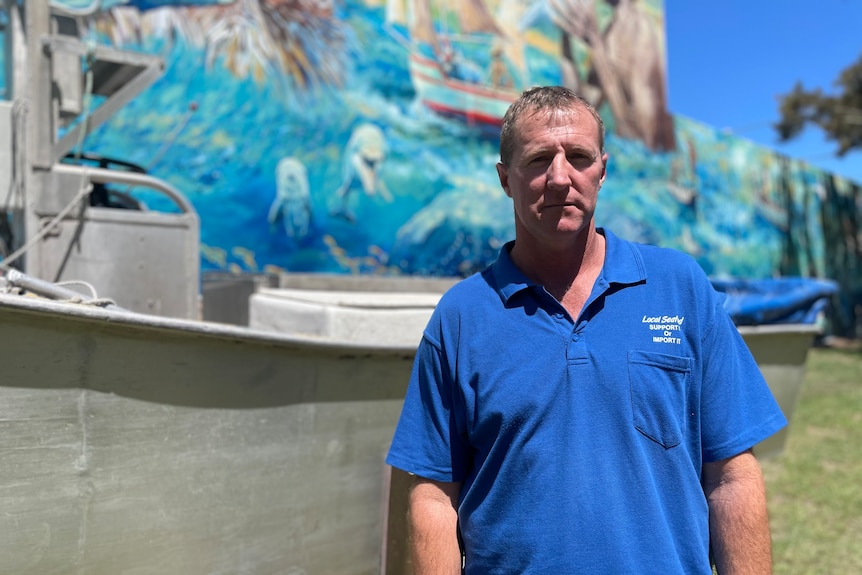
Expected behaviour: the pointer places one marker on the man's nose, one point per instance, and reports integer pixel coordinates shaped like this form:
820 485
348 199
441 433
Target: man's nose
558 171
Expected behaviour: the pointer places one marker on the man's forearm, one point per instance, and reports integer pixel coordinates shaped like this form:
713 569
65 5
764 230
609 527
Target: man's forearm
433 529
738 520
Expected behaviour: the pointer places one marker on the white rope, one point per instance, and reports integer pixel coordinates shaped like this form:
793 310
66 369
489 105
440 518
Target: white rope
89 286
94 300
97 302
54 291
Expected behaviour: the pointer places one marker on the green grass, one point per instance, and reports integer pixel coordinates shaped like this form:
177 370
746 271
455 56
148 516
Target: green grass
815 485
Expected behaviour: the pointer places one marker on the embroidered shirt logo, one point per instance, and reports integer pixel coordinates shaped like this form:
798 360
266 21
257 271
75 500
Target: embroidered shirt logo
665 328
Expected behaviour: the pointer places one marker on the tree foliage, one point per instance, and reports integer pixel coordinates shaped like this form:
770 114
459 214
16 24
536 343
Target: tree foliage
839 115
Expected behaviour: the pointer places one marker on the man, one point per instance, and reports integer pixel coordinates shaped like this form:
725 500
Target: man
585 404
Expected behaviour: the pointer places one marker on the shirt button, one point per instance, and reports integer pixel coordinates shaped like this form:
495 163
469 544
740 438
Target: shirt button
575 337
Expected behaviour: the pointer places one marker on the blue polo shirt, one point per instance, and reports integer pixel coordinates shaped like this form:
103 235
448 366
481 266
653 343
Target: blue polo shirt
580 441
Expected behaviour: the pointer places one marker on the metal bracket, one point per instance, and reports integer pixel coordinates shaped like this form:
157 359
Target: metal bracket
118 76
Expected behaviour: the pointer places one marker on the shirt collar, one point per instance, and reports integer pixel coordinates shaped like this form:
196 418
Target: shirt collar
623 265
508 279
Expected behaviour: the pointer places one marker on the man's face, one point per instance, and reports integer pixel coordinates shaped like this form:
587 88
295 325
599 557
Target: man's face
554 177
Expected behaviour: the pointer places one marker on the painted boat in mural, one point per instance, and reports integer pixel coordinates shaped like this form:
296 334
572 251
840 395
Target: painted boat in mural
441 81
471 102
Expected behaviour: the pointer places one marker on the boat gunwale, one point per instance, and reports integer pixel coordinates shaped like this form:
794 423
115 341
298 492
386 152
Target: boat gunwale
20 304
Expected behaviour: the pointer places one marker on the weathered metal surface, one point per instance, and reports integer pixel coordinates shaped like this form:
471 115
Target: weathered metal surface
145 261
134 444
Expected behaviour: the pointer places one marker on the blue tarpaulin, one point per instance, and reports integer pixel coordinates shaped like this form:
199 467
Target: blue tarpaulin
776 300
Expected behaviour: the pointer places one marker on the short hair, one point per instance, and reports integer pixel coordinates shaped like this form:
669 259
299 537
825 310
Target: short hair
548 99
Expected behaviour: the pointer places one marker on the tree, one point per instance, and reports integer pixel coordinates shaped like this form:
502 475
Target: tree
840 118
839 115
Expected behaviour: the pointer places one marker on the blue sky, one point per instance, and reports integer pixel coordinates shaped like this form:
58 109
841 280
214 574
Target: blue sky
729 60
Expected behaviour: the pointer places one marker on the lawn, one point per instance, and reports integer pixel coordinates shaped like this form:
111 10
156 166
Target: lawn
815 485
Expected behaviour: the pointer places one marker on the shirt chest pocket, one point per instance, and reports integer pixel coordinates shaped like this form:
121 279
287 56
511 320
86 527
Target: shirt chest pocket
658 389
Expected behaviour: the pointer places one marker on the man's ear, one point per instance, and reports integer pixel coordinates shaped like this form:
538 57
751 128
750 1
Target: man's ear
503 174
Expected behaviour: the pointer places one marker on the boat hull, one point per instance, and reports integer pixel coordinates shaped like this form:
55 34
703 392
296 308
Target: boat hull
164 447
138 444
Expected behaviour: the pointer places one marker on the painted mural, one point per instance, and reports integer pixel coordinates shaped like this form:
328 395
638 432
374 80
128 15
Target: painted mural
360 137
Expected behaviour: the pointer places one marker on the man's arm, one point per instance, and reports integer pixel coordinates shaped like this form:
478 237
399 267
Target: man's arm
738 521
433 520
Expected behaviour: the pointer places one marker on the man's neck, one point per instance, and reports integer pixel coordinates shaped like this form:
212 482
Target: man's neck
568 271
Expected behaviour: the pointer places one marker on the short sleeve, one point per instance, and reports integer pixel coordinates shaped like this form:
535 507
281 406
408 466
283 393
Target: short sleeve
427 441
738 409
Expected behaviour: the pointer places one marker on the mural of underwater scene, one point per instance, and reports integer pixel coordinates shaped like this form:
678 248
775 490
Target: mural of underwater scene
360 137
